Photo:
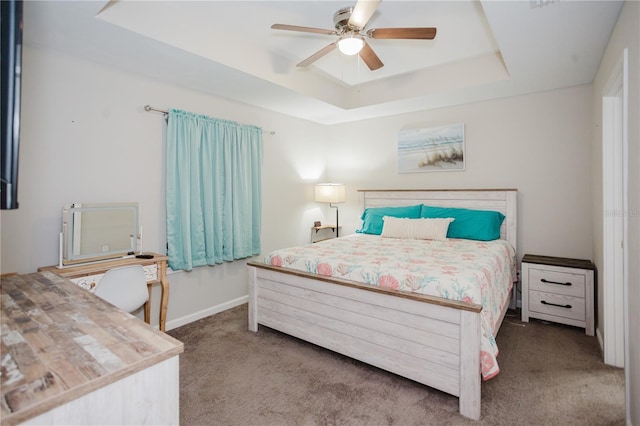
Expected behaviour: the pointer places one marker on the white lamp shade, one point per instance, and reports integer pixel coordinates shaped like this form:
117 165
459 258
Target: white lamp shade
330 193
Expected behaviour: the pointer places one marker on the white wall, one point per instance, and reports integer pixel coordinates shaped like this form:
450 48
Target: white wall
86 138
626 34
538 144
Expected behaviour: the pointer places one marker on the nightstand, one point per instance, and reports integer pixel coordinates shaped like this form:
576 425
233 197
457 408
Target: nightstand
559 290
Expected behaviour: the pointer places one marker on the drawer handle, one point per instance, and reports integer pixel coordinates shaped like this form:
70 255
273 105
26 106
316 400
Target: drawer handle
544 302
555 282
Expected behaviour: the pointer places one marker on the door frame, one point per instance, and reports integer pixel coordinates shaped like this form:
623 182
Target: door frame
614 182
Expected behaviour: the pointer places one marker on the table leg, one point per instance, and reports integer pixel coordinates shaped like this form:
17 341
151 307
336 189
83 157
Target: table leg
164 302
147 306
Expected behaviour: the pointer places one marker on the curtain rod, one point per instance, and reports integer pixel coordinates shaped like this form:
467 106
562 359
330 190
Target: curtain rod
150 108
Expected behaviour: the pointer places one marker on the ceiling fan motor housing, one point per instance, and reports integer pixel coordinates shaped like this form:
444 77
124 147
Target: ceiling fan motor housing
341 19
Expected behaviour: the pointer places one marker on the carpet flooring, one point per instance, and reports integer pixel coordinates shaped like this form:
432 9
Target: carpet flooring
550 375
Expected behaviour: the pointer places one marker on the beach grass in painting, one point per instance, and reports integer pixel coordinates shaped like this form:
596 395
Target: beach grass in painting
432 149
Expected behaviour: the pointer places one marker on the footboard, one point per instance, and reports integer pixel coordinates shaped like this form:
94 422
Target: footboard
429 340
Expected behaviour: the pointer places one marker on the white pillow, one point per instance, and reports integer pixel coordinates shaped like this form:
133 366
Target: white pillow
417 229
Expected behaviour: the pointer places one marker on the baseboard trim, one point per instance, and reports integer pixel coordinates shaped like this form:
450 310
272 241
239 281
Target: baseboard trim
178 322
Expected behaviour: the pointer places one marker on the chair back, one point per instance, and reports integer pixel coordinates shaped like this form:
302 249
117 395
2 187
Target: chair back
124 287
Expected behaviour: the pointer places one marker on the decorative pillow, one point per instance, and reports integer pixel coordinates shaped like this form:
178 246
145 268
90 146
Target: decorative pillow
372 217
482 225
417 229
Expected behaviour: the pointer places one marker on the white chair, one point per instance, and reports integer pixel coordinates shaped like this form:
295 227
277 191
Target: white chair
124 287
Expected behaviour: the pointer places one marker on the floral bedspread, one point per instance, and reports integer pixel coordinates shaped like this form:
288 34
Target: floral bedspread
480 272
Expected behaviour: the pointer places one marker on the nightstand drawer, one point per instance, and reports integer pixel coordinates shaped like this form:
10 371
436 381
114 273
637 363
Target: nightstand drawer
557 305
556 282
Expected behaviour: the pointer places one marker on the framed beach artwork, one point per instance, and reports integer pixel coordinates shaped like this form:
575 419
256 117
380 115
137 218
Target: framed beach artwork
431 149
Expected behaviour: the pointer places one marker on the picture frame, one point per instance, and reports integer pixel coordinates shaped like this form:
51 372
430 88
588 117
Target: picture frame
432 149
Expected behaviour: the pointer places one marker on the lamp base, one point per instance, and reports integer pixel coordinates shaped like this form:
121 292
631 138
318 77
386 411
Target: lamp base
337 220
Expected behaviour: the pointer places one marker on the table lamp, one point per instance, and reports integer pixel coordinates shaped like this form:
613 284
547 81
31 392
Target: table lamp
331 193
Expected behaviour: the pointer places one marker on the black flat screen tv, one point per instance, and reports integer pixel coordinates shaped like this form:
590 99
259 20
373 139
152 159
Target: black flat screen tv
11 64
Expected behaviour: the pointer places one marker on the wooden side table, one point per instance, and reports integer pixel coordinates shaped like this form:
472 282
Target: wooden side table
321 233
559 290
88 276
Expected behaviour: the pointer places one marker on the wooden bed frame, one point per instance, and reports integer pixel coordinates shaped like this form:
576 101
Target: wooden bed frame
427 339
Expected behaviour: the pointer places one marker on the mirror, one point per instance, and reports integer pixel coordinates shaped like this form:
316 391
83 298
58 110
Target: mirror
99 231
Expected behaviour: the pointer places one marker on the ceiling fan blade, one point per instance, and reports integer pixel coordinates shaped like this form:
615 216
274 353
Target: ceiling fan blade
370 58
403 33
362 12
303 29
319 54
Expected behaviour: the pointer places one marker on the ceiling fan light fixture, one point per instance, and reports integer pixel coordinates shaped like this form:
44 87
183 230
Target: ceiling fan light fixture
351 44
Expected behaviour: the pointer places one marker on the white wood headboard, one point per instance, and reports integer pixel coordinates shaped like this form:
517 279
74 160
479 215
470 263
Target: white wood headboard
504 201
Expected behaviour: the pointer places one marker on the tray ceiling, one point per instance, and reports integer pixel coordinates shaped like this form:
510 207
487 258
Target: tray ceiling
482 50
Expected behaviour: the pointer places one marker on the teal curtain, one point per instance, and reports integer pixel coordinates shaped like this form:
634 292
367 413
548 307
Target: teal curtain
214 190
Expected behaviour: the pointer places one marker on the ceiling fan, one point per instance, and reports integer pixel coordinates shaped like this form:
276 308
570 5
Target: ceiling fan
350 25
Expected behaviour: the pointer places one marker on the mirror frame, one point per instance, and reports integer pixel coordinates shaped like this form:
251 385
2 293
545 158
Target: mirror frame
72 232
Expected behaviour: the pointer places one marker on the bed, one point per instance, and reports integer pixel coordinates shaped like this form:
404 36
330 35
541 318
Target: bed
427 338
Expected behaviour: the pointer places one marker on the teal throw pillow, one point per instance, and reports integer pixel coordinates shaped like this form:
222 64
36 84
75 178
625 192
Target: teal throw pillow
482 225
372 217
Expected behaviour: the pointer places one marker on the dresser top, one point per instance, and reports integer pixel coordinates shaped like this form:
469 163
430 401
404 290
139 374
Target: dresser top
559 261
60 342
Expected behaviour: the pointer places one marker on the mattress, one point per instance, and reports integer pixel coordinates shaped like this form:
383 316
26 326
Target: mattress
480 272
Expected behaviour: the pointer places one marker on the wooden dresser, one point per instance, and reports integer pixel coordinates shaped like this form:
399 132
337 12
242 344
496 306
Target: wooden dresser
88 276
69 357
